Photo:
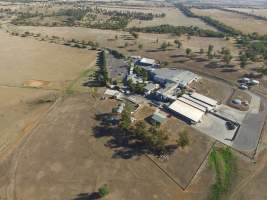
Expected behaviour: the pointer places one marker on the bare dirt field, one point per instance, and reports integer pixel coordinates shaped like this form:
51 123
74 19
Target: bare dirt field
213 89
237 21
20 109
55 147
254 11
25 59
173 17
196 43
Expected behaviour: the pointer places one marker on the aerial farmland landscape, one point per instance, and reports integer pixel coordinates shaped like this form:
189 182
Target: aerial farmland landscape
133 100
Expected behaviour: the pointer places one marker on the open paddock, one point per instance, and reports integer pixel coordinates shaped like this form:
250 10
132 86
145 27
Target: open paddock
25 59
254 11
20 109
238 21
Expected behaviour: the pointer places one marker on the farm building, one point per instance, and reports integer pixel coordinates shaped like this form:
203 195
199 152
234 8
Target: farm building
186 112
151 87
204 99
157 118
147 62
165 76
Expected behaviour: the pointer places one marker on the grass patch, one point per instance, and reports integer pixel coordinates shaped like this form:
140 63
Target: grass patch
223 162
70 89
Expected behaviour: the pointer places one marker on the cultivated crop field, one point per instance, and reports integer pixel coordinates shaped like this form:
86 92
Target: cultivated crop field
237 21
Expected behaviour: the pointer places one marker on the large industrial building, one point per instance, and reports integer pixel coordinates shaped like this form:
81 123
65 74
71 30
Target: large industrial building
165 76
192 107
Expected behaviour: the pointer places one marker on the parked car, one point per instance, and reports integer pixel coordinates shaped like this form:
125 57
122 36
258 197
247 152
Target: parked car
230 125
243 87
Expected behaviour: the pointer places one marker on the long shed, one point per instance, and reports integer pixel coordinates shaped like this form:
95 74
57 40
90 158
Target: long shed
186 111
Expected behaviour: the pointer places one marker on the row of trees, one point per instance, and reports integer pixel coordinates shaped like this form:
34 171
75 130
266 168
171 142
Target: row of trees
103 72
215 23
178 30
131 14
259 17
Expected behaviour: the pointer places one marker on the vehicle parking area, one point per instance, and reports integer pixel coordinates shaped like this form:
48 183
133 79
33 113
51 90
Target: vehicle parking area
117 68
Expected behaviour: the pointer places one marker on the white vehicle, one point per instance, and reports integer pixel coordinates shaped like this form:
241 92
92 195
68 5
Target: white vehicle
254 82
243 87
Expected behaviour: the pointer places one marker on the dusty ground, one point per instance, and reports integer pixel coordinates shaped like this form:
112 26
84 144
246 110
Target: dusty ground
213 89
173 17
20 109
238 21
24 60
53 175
196 43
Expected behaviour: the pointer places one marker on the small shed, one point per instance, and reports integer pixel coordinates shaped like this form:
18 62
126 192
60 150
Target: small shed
158 118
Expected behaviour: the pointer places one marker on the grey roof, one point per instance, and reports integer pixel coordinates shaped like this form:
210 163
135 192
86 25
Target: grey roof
181 77
158 117
150 86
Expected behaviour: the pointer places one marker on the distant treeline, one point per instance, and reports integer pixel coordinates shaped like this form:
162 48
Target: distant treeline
178 30
244 13
212 22
255 45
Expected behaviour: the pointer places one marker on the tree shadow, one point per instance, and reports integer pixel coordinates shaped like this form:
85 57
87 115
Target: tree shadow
177 56
152 50
131 50
199 59
125 146
88 196
229 70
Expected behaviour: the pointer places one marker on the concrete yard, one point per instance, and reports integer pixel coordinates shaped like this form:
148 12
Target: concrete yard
215 128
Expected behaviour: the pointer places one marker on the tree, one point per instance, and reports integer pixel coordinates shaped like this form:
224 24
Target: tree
157 139
209 53
227 57
243 60
103 191
135 35
125 119
140 46
188 51
164 46
183 139
178 43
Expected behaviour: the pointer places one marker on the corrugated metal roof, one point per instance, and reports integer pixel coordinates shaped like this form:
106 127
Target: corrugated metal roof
204 99
207 106
186 110
158 117
191 103
148 61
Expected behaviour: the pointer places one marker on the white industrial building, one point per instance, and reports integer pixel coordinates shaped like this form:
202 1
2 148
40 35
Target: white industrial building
146 62
192 107
186 111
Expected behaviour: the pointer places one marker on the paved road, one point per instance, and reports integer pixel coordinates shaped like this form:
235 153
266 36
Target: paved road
249 133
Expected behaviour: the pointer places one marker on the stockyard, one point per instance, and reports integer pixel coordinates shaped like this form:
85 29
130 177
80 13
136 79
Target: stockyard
51 106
